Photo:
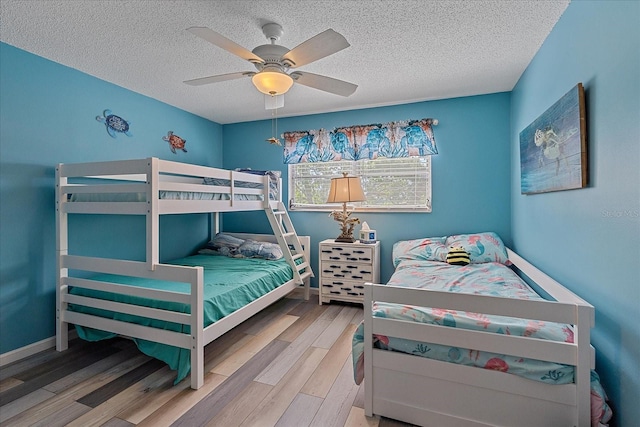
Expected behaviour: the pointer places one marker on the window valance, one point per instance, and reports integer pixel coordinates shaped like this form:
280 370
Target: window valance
405 138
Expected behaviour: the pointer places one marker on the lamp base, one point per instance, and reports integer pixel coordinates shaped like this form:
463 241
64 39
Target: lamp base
342 239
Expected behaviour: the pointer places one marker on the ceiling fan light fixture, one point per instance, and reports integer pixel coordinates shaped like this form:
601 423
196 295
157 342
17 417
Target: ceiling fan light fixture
272 82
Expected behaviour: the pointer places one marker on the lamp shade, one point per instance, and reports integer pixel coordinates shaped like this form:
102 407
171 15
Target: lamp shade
272 82
346 189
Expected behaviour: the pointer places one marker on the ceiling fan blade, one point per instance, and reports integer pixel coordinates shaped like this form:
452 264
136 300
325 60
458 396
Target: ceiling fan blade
317 47
327 84
224 43
219 78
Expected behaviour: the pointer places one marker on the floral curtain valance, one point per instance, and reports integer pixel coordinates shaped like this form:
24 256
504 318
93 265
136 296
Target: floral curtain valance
395 139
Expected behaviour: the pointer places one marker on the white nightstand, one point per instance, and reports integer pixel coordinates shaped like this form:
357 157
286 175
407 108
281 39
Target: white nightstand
345 267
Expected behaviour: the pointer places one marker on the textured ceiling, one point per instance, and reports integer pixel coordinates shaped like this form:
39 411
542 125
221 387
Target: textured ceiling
401 51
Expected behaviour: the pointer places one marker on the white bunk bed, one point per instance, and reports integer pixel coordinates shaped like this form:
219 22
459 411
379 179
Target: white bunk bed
145 183
430 392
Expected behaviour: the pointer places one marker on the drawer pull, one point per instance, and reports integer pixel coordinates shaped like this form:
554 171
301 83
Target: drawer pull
327 271
364 259
334 266
358 252
364 272
345 271
358 286
352 266
355 294
346 289
326 251
334 257
338 283
338 275
337 249
335 292
351 259
357 277
328 286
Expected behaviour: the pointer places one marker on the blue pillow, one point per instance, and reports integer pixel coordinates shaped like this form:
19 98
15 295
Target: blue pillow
254 249
225 244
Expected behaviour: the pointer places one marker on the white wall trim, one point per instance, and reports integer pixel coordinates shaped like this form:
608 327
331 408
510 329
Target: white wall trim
31 349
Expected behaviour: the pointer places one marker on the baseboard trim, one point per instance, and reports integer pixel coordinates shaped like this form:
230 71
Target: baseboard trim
31 349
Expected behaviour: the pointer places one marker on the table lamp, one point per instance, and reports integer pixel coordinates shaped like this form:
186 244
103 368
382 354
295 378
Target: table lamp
344 190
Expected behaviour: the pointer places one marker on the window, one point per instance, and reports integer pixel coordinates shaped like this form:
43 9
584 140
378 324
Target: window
399 184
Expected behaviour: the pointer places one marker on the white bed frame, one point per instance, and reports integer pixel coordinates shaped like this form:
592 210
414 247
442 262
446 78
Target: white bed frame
435 393
150 176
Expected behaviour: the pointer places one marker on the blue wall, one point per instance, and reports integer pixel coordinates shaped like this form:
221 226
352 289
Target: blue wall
49 116
589 239
470 173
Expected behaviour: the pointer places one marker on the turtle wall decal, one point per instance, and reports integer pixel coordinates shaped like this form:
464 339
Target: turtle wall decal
114 123
175 142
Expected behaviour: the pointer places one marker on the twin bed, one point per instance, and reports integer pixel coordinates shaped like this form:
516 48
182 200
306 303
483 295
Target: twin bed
420 363
173 309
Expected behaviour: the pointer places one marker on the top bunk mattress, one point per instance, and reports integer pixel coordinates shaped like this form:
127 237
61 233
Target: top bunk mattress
223 194
229 284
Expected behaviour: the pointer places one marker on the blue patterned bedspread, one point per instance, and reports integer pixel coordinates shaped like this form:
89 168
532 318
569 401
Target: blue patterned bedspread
486 279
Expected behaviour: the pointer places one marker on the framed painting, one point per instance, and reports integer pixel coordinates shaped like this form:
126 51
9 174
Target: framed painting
553 149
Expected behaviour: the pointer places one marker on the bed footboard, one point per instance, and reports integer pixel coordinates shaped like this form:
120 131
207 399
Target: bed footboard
193 276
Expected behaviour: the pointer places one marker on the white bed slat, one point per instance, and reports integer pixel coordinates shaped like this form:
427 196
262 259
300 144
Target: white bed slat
532 348
206 206
203 188
109 168
173 273
177 339
104 188
134 310
120 208
550 311
128 290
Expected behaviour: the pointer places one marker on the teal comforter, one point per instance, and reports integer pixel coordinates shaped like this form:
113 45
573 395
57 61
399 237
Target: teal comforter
229 284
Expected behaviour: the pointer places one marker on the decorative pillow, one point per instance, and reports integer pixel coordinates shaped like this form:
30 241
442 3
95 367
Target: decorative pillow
482 247
224 244
458 256
254 249
429 249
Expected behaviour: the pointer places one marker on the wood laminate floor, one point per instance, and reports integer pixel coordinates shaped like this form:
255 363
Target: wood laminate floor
289 365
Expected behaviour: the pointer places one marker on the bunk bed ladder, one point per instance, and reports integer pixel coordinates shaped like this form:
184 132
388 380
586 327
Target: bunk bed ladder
288 239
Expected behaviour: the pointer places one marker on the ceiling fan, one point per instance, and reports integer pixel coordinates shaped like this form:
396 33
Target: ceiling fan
273 61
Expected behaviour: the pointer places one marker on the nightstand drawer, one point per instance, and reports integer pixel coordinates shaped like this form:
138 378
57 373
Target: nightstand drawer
347 270
343 288
345 253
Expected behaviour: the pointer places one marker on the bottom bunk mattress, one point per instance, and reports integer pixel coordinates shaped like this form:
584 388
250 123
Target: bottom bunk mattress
229 284
490 278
